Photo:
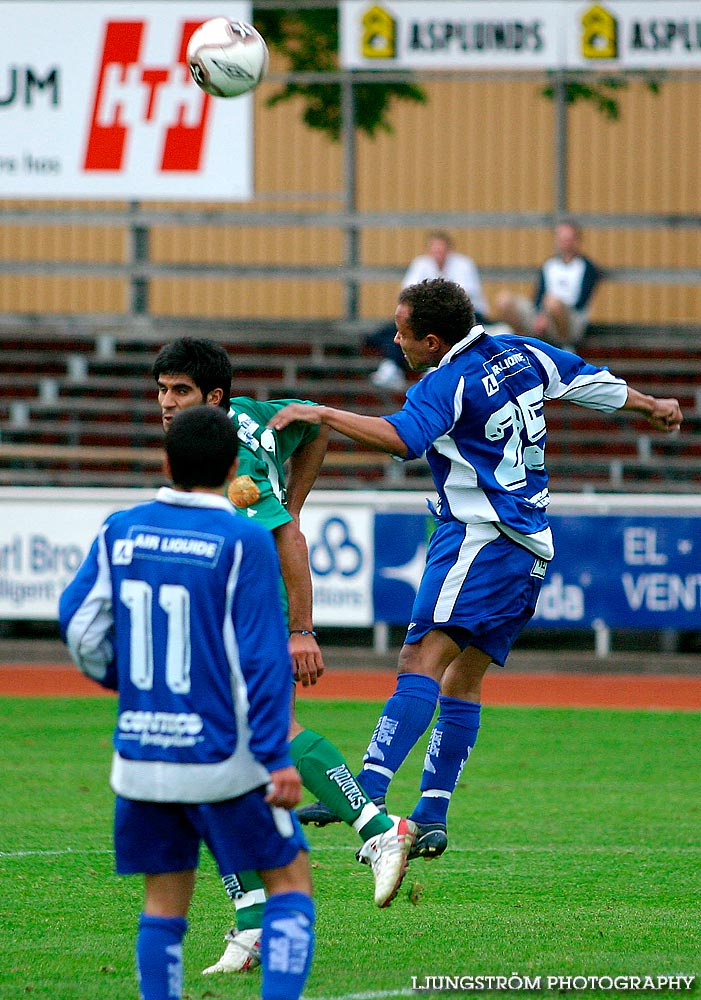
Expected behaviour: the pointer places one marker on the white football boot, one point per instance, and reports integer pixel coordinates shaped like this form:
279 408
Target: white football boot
387 855
242 952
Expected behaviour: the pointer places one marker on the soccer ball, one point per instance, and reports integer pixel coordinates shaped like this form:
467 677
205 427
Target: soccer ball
227 58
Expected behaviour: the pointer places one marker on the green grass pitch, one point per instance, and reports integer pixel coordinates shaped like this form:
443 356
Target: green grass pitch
575 849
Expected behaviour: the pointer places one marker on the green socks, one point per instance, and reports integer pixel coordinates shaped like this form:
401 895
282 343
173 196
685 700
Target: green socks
248 895
325 774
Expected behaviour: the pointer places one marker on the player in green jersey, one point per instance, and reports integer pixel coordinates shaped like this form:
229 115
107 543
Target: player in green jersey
276 472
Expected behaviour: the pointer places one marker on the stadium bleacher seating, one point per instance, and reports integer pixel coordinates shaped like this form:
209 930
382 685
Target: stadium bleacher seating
78 408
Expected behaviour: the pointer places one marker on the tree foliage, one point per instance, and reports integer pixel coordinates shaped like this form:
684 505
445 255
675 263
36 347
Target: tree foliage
309 41
600 92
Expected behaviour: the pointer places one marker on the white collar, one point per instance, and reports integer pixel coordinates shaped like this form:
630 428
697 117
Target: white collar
177 498
474 334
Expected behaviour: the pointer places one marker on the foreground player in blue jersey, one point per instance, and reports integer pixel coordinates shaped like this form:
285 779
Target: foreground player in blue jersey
276 473
167 610
478 416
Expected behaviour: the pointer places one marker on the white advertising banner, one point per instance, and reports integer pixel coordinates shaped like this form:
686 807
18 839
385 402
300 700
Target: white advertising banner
552 34
411 34
340 542
96 101
44 537
45 534
629 34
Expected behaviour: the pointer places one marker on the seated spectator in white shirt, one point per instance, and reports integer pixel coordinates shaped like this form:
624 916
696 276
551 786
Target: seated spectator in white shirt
439 261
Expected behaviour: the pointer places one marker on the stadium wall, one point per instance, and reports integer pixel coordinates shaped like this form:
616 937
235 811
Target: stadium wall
482 145
621 563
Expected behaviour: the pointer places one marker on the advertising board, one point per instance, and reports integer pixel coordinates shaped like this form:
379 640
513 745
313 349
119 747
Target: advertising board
619 562
552 34
97 101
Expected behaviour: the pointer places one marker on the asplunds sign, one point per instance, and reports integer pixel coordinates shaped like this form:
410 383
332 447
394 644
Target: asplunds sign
553 34
629 34
96 101
450 35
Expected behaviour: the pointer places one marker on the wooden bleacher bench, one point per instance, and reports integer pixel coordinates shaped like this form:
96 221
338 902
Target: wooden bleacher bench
77 406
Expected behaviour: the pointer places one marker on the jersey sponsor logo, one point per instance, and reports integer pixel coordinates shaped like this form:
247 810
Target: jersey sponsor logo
541 499
164 729
500 366
348 785
539 569
248 427
491 384
194 547
122 552
133 97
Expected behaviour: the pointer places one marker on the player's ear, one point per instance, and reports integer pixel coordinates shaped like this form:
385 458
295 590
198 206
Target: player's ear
214 397
166 469
234 470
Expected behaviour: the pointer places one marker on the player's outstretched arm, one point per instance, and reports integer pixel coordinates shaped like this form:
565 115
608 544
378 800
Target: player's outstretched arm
375 432
664 414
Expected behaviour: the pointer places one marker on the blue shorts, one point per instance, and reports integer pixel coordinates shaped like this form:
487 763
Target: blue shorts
478 587
243 834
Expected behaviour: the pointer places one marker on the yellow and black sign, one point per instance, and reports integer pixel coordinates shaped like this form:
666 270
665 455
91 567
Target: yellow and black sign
379 34
599 34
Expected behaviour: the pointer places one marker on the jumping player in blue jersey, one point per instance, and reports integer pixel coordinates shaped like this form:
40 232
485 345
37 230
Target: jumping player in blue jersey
478 416
166 610
277 471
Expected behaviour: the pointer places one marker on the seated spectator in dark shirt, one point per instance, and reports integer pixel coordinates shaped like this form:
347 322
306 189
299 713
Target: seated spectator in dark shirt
559 311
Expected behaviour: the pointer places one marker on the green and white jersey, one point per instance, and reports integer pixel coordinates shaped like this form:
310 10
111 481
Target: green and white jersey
263 454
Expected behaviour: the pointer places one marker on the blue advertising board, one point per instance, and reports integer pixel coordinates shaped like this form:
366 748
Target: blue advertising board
639 572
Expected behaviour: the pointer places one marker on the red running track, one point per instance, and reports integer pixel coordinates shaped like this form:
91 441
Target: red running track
600 690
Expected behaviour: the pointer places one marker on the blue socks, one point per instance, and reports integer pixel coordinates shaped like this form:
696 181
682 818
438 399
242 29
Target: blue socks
449 746
405 718
159 957
286 950
287 945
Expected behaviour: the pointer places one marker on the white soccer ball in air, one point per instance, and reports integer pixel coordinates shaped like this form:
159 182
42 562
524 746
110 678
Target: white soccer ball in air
227 58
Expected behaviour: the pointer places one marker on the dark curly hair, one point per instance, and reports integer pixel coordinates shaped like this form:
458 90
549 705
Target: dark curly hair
441 307
204 361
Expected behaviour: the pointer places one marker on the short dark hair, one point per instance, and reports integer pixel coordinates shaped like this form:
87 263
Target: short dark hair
201 446
204 361
441 307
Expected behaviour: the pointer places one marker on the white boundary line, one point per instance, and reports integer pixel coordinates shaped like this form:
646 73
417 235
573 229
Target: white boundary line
516 849
376 995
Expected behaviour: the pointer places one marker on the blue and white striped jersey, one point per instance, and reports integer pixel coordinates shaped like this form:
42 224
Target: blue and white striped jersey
177 607
479 419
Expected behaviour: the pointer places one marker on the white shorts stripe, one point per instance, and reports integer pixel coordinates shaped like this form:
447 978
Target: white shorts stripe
476 537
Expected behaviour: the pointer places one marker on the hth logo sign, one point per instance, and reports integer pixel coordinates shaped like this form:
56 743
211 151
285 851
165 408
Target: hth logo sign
131 96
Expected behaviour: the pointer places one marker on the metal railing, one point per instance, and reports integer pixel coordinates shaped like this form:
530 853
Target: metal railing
138 220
